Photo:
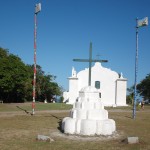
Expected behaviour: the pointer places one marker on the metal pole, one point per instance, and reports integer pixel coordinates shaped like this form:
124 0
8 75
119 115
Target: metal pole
37 10
90 63
136 71
34 78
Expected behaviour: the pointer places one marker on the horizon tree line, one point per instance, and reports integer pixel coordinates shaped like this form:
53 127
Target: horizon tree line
16 81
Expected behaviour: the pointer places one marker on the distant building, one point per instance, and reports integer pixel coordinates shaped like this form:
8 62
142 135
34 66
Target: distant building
111 85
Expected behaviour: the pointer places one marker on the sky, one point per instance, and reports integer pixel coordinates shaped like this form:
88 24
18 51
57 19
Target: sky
65 29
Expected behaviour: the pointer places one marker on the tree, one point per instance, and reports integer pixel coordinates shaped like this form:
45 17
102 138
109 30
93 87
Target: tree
3 53
46 88
143 88
13 76
16 80
130 95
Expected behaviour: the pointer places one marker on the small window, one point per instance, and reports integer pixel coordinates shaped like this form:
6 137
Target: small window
97 84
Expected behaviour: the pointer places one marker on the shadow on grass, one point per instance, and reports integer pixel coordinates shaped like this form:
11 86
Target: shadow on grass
59 122
60 126
129 117
27 112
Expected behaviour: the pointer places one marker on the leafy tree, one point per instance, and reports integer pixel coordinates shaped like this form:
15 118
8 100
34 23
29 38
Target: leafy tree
130 95
13 76
16 80
3 53
46 88
28 84
143 88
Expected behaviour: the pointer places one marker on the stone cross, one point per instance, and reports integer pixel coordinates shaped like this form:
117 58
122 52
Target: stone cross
90 60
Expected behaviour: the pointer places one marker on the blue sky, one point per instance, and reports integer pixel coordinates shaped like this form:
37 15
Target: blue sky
65 29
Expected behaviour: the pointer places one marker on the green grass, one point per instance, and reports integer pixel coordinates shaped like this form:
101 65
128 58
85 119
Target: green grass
19 130
130 107
51 106
38 106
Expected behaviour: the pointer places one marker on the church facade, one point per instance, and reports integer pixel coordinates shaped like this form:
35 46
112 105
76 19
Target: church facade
111 85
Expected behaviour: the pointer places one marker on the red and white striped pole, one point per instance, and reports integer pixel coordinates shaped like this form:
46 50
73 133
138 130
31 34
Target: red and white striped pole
37 9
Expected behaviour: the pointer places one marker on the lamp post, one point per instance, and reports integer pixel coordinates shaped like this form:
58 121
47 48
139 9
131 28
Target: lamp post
37 10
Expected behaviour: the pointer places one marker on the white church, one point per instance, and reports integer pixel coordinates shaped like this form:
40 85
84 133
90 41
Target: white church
111 85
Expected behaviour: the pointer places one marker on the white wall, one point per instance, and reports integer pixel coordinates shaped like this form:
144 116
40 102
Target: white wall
112 90
107 80
121 92
73 89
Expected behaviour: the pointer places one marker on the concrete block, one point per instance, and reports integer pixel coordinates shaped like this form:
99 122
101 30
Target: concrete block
44 138
132 140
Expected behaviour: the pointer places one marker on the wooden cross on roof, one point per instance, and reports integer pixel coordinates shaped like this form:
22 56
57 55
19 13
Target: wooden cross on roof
90 60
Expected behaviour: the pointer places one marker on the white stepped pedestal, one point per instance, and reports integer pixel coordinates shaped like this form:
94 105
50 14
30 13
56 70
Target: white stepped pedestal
88 116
